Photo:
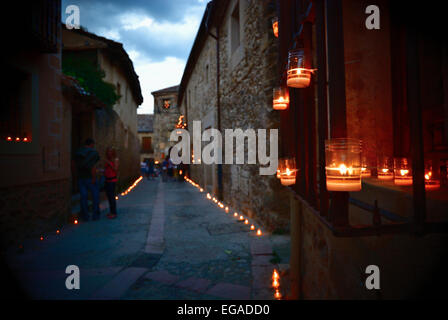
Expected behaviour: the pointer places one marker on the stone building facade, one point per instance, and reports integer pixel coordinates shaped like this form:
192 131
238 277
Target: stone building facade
35 142
146 136
247 61
167 114
109 127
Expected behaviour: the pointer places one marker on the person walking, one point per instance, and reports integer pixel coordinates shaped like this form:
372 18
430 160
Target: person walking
150 168
165 164
86 159
111 175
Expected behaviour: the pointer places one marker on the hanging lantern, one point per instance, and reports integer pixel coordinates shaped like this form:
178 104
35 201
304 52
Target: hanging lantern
385 168
298 76
365 168
431 182
280 98
288 171
402 172
275 26
343 164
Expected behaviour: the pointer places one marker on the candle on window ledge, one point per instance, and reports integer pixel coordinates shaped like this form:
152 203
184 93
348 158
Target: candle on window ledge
402 172
343 164
385 168
431 181
275 26
365 168
297 75
280 98
287 171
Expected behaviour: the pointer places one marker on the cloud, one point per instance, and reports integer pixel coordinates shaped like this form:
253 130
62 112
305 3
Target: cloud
158 75
157 34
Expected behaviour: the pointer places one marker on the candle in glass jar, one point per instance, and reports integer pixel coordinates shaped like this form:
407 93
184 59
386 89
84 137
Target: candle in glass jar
343 164
402 172
280 98
298 78
288 178
431 182
343 178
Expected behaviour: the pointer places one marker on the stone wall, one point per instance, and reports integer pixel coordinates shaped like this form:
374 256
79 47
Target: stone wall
247 77
110 131
164 122
247 81
334 268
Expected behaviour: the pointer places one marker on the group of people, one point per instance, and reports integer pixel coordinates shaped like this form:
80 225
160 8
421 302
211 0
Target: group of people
86 161
86 165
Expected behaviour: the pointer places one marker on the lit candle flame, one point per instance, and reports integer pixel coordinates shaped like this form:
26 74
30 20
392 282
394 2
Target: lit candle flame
258 232
275 284
252 227
385 170
404 172
275 275
246 222
235 214
277 295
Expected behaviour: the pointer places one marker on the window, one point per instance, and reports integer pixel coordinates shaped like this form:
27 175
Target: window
147 145
15 114
235 28
119 89
166 103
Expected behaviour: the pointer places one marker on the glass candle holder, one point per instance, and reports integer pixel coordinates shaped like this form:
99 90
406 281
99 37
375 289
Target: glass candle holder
385 168
431 182
275 26
287 171
297 76
402 172
280 98
343 164
366 171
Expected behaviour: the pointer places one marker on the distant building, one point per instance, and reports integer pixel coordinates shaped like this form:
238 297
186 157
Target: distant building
146 136
166 116
116 126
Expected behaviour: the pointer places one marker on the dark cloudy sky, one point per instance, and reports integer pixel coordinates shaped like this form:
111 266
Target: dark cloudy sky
157 34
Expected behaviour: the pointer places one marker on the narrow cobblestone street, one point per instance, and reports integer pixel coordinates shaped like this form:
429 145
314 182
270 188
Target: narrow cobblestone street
168 242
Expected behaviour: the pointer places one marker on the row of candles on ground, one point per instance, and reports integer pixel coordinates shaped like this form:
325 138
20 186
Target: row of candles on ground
17 139
226 208
130 188
76 221
345 169
276 284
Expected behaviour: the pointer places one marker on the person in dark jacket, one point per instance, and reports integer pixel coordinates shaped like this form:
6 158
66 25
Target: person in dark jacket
86 159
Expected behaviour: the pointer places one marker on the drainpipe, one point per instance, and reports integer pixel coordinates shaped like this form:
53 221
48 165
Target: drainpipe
218 106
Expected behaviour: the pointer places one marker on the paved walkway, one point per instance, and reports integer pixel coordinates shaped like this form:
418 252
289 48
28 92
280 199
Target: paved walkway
169 242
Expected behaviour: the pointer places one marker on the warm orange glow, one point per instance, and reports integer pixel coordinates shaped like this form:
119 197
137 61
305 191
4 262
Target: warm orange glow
404 172
209 196
241 218
41 238
201 190
17 139
275 275
227 209
9 139
25 139
277 295
235 214
258 232
116 198
275 28
246 222
385 170
75 222
252 227
58 232
275 283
